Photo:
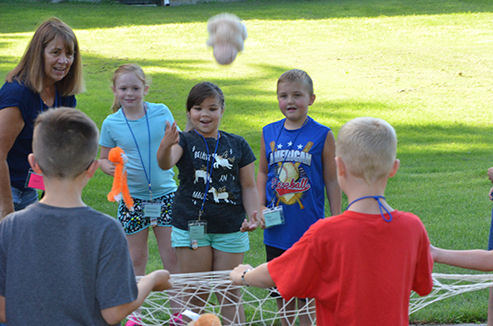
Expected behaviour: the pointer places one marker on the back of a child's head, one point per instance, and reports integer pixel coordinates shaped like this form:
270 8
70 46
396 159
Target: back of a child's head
65 142
203 90
297 76
125 69
368 148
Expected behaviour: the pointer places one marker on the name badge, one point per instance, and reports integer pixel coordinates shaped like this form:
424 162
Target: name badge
273 216
197 230
153 211
35 181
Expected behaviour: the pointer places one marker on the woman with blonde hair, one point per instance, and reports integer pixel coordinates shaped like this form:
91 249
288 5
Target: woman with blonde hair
48 75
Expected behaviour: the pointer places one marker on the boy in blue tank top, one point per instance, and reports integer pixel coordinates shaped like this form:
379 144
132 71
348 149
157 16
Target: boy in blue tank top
296 164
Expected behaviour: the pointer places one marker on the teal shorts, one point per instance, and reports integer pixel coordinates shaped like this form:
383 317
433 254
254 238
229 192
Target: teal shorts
234 243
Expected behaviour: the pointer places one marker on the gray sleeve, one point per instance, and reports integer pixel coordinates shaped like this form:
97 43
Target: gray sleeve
115 284
3 257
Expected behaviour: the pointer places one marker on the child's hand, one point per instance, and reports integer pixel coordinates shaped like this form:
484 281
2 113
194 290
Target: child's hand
251 225
107 166
171 135
490 174
112 168
490 193
236 274
161 280
262 218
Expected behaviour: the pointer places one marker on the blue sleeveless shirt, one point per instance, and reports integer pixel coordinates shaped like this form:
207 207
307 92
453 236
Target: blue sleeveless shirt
300 189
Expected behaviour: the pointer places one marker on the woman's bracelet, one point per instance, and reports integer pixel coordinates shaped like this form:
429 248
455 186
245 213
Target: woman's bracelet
243 277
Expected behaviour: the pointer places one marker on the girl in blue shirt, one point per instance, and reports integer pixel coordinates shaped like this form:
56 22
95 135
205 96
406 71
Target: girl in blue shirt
138 127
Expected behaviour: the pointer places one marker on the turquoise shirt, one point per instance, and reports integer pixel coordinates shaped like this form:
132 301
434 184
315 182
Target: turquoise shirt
116 132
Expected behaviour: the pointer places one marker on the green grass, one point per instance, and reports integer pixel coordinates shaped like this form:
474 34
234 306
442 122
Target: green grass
425 66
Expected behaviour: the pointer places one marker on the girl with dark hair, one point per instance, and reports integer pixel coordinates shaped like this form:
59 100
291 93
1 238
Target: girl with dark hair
217 188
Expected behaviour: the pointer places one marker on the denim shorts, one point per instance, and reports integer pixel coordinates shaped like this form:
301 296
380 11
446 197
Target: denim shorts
234 243
135 221
22 199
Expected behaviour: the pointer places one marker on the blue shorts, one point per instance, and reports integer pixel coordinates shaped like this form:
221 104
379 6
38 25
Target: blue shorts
135 221
233 243
22 199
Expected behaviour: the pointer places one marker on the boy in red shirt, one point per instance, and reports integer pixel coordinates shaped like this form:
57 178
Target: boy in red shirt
360 266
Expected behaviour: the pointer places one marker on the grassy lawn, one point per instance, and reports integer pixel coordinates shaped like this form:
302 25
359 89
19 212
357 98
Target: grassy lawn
426 66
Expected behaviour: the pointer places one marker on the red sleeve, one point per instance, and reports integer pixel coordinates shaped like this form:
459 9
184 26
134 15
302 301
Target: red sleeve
423 281
296 271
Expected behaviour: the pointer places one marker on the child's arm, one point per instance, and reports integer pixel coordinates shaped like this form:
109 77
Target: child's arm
169 152
480 260
249 196
2 309
490 174
258 277
106 165
263 170
156 281
334 194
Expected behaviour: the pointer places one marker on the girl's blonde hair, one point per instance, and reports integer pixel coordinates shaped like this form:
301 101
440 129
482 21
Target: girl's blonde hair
31 68
124 69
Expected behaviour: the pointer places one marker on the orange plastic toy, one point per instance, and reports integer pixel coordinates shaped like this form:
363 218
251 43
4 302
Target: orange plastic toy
120 187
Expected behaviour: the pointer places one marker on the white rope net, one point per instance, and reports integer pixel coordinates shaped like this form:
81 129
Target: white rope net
449 285
197 292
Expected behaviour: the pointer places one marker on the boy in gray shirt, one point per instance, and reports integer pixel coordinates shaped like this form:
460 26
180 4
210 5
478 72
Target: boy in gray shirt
61 262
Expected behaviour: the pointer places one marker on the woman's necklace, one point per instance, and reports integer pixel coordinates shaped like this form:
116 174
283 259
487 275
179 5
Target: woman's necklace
48 96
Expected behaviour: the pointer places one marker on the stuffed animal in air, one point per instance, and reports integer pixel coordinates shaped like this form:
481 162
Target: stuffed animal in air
226 36
206 320
120 186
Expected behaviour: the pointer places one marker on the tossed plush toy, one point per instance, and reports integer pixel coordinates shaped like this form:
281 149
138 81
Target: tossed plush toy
120 187
226 36
206 320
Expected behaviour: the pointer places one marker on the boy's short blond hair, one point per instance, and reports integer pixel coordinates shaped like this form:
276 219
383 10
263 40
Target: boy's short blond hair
65 142
368 148
297 76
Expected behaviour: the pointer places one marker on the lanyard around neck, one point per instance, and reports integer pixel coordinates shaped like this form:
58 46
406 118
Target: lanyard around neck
380 205
208 173
276 178
148 177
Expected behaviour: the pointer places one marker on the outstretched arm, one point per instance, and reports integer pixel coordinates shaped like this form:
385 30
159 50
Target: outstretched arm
480 260
334 193
11 124
156 281
263 170
258 277
169 152
249 196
